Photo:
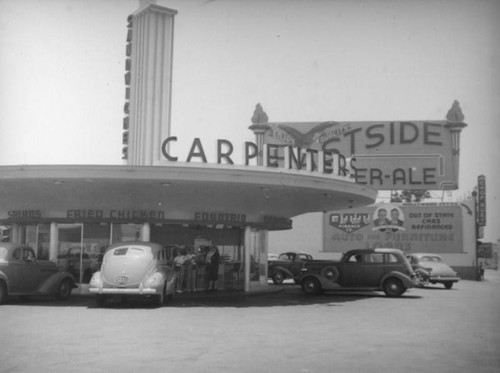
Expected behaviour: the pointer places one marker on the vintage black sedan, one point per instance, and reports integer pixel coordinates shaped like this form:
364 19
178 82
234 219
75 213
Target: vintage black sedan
364 269
22 274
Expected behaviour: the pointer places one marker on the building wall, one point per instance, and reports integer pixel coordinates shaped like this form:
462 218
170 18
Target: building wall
306 236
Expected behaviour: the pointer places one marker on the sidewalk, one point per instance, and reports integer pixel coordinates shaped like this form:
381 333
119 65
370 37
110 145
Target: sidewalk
491 275
83 290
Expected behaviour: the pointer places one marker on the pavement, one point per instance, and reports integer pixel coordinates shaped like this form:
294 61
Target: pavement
429 329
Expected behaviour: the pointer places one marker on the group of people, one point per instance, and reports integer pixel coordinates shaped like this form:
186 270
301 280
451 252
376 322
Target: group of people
193 267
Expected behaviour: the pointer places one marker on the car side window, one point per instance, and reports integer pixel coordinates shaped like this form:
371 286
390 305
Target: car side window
391 258
28 254
374 258
355 259
17 254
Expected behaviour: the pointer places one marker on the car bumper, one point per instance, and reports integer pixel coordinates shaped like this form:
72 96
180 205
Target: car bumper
443 279
124 291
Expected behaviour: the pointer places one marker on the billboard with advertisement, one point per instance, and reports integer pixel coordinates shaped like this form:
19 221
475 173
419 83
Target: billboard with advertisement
411 227
388 155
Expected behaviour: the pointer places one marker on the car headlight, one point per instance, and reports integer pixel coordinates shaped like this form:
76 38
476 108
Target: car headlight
95 281
154 281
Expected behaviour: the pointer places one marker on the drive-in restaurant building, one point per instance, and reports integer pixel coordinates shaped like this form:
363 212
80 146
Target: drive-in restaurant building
188 199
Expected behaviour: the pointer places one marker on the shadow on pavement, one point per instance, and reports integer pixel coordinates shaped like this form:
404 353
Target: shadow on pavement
277 295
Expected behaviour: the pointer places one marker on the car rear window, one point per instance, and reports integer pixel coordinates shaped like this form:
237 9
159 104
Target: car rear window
130 251
430 259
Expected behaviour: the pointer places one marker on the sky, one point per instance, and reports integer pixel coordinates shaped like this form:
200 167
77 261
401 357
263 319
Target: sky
62 65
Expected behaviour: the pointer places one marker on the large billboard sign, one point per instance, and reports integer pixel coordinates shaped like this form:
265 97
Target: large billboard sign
390 155
411 227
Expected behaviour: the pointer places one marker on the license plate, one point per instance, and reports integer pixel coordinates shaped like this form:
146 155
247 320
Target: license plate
121 279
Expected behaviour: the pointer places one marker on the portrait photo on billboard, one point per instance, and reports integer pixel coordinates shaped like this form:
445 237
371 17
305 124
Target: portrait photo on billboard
388 217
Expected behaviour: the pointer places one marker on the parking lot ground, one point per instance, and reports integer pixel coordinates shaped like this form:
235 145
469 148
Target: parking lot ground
282 330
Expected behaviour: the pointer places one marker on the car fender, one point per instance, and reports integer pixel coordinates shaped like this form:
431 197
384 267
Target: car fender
51 284
5 279
282 269
325 284
406 280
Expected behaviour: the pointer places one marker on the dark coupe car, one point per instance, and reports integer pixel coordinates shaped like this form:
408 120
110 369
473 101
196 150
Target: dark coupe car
22 274
287 266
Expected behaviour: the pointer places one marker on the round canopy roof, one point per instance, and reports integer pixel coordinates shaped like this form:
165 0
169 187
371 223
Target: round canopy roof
181 190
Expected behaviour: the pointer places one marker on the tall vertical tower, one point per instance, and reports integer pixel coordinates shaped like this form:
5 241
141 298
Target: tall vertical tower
148 80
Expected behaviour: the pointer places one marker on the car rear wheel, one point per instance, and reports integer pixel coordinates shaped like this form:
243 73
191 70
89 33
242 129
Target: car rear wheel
3 292
278 277
64 289
393 287
448 285
100 300
311 285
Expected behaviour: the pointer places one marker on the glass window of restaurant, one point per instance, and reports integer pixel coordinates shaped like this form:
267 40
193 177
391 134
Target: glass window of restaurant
80 246
38 237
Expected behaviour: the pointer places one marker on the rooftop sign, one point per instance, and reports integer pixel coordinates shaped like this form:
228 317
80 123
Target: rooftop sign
387 155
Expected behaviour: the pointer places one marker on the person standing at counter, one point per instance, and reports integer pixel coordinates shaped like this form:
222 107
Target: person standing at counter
190 267
212 267
179 261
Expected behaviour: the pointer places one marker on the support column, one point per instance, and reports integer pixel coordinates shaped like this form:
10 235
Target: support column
146 232
54 242
263 257
150 50
246 259
14 234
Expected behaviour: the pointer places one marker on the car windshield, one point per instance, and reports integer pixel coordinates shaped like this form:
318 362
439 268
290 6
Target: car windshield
130 251
430 259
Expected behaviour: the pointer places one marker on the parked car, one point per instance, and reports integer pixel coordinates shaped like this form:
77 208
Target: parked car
70 261
140 269
22 274
430 268
385 270
272 256
287 266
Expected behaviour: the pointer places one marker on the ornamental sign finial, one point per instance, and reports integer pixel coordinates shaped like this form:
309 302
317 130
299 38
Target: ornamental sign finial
259 115
455 113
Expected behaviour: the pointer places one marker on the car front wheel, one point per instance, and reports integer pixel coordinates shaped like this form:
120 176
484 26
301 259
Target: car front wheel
3 292
278 277
64 289
393 287
311 285
160 298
